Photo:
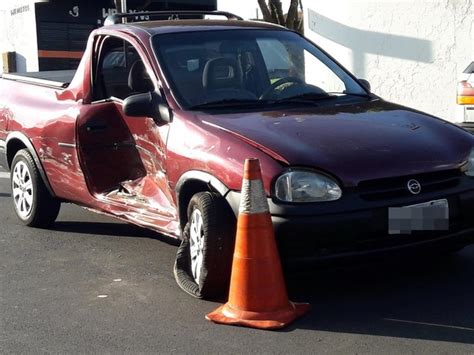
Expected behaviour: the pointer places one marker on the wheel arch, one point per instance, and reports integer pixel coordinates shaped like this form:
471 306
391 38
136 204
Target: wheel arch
192 182
16 141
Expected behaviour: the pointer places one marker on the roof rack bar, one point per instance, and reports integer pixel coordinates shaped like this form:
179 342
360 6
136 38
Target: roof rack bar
173 15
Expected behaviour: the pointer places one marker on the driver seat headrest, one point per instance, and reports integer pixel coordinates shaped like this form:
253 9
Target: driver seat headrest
222 73
138 78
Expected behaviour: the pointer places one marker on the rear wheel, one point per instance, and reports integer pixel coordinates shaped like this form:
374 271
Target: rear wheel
204 259
34 205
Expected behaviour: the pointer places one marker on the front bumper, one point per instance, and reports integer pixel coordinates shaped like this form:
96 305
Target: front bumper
352 228
347 238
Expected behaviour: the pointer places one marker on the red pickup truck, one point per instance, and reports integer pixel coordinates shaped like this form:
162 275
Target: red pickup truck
154 126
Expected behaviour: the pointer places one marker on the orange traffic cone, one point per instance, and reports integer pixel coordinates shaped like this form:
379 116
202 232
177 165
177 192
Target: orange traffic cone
257 296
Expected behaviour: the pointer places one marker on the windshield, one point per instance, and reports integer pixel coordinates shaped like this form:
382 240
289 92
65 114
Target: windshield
249 67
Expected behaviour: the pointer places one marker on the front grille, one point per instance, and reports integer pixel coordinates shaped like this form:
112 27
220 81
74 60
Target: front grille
361 231
387 188
364 235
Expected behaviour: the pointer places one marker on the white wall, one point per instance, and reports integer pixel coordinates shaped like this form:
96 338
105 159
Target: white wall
412 51
244 8
18 34
248 9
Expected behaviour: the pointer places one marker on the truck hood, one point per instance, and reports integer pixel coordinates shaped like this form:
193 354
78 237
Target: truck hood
356 142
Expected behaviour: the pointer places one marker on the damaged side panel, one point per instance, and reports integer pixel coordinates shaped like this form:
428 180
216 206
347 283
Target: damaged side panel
124 161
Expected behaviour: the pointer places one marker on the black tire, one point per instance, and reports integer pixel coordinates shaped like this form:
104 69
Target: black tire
44 209
218 225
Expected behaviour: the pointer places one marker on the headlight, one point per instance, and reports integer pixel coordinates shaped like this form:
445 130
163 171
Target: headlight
470 164
306 186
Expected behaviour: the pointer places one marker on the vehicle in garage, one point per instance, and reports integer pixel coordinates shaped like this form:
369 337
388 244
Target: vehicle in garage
154 127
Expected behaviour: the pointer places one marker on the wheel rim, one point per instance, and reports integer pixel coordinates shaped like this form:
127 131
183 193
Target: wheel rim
196 234
22 189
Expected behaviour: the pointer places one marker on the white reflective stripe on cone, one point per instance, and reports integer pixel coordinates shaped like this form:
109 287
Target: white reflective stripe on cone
253 199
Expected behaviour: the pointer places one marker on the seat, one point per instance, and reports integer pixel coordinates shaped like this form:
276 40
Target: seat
223 79
186 66
244 53
138 79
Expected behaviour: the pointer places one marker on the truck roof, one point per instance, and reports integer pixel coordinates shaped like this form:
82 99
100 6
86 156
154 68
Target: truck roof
174 26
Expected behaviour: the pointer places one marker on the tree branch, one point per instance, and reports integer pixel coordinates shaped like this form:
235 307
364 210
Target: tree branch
292 16
272 11
277 9
267 16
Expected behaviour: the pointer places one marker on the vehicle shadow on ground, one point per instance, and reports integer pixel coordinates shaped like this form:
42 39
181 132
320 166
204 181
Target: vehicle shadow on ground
112 230
429 298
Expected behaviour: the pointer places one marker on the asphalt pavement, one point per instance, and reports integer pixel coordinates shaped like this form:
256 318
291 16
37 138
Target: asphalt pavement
95 285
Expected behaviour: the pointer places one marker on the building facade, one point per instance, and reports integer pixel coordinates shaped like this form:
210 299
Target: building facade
52 34
411 51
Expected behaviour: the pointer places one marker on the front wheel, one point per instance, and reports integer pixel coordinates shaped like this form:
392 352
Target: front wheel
204 259
34 205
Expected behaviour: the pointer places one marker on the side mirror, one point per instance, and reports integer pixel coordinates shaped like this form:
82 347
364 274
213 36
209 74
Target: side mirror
149 104
365 84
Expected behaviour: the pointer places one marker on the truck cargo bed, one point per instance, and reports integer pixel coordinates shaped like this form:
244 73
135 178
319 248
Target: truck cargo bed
59 79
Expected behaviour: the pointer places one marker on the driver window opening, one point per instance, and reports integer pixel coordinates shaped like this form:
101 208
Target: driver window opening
120 71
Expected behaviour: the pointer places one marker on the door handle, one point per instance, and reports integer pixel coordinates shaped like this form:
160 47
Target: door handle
96 127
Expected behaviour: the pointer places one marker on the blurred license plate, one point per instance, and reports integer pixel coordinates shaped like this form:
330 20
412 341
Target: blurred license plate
429 216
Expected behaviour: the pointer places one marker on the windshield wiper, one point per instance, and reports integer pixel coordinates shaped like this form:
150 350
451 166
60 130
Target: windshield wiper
227 102
351 94
306 99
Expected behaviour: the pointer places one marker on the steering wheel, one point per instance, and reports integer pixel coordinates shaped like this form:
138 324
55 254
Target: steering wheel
289 79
